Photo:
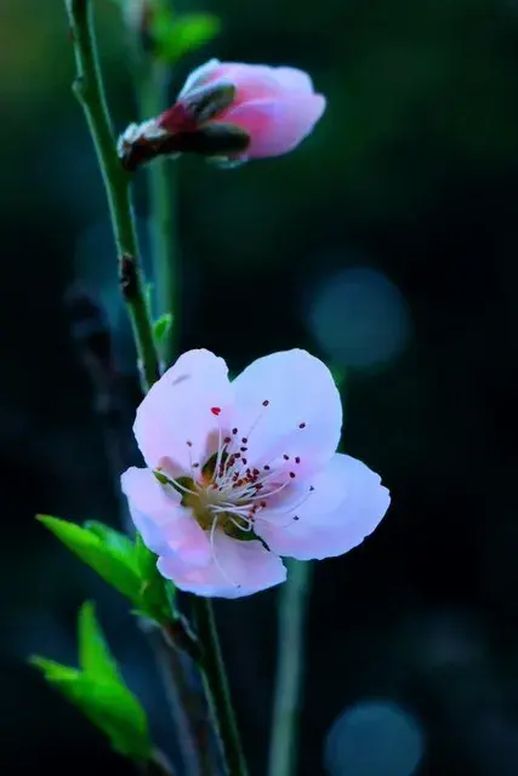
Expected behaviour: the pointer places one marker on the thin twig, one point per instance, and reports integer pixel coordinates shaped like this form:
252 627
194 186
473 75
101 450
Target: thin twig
89 89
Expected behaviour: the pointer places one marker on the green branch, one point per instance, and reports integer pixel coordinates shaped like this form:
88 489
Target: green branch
216 687
89 90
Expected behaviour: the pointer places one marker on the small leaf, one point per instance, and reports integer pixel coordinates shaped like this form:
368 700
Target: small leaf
176 36
117 541
156 593
113 563
94 656
99 690
161 328
129 567
54 672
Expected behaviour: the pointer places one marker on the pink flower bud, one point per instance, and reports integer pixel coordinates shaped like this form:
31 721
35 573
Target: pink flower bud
276 106
231 111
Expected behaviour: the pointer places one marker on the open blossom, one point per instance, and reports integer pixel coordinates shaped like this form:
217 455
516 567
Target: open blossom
232 111
241 473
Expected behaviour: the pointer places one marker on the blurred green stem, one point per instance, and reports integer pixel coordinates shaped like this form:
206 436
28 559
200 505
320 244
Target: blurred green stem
152 80
293 604
89 89
216 685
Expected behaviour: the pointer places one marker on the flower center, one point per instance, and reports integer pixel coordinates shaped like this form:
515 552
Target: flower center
226 492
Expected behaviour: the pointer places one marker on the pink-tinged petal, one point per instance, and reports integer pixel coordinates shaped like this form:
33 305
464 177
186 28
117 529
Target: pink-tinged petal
200 76
163 523
275 126
288 404
252 82
237 569
346 505
293 79
179 418
257 81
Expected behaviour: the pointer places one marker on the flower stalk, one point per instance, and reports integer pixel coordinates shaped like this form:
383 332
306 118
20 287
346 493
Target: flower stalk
216 684
89 90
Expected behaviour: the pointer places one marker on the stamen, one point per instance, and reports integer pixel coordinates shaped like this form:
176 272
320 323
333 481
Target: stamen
213 554
165 480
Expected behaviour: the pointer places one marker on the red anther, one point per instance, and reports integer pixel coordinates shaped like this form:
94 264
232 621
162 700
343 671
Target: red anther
227 440
215 410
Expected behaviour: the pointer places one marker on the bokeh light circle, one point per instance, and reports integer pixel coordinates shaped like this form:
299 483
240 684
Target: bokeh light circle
374 738
359 318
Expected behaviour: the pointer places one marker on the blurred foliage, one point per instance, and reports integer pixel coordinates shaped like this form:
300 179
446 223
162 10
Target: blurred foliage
174 36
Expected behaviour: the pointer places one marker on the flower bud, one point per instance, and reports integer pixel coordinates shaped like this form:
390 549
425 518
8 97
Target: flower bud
232 112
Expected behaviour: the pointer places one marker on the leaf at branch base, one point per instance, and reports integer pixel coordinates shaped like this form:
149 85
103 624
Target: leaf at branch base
99 690
111 556
161 328
157 594
128 566
95 657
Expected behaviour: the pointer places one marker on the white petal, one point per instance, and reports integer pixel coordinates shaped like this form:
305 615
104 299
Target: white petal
287 404
346 505
237 569
179 418
165 526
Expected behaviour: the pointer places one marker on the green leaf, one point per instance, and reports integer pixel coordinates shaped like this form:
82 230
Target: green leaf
117 541
176 36
94 656
156 593
112 559
128 566
161 328
54 672
99 690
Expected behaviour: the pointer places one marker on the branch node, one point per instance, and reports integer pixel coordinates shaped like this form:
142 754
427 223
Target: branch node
128 277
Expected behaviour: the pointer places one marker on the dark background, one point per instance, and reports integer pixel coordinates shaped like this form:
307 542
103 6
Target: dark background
387 244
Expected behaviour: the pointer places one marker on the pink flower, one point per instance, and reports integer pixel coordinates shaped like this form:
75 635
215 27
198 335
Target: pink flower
232 111
243 472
